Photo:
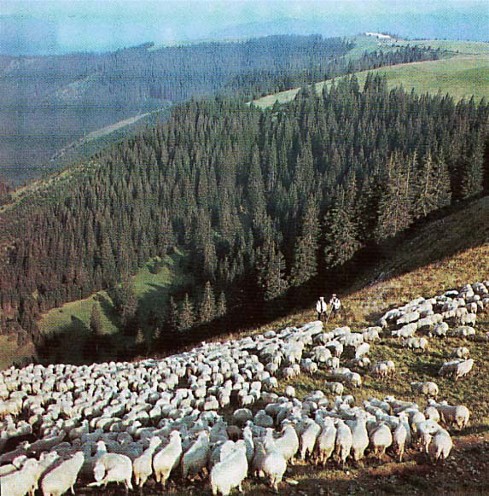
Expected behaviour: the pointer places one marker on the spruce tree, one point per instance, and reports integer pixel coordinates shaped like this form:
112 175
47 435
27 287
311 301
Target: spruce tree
221 307
171 319
186 318
305 265
270 269
207 307
95 320
340 230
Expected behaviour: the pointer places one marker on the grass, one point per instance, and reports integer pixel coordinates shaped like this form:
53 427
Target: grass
71 322
464 74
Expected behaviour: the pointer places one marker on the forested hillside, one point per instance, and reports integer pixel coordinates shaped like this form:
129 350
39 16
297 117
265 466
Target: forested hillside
46 103
263 202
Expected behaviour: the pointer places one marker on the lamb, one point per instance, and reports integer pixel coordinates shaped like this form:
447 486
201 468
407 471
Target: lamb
230 473
143 465
63 477
195 459
112 467
428 389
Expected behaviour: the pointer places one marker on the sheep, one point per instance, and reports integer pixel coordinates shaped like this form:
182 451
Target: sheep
456 368
464 331
268 461
399 438
440 446
143 465
308 437
428 389
380 439
344 441
336 388
230 473
460 352
415 343
288 443
379 369
405 331
21 482
63 477
273 466
360 439
439 330
326 441
112 467
195 459
452 414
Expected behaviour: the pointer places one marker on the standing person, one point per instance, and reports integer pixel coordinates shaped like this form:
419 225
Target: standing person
321 308
335 304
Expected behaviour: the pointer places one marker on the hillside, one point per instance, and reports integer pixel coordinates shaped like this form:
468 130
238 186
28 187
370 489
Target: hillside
233 187
465 73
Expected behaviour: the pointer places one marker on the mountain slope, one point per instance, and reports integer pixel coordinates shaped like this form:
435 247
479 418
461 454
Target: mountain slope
464 74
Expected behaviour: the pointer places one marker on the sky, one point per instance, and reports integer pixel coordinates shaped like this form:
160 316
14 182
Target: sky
60 26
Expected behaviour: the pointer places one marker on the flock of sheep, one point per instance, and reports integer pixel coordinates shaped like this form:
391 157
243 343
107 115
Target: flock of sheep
215 410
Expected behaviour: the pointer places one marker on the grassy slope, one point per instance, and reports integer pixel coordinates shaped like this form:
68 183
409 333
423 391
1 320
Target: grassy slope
464 74
71 321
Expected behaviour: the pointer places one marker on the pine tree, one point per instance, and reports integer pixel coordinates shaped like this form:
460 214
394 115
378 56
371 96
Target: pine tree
95 320
207 307
432 188
305 264
186 319
396 201
171 319
340 229
221 307
270 269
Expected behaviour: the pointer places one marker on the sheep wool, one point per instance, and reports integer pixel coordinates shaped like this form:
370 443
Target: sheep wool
230 473
63 477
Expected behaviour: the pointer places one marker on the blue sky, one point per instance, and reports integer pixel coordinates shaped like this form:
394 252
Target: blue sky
55 26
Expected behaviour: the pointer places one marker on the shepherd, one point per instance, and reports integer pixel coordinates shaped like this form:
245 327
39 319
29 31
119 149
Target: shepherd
335 304
321 308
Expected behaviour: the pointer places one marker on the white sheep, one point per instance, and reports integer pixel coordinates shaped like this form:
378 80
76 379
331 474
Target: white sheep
143 465
288 443
21 482
360 439
428 389
230 472
460 352
343 443
458 415
326 441
112 467
63 477
195 459
380 439
308 437
165 460
440 446
399 438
